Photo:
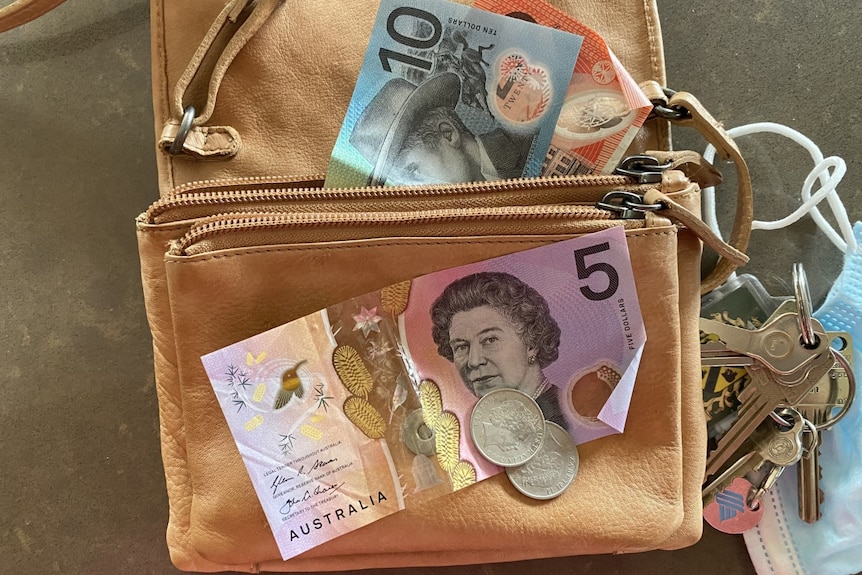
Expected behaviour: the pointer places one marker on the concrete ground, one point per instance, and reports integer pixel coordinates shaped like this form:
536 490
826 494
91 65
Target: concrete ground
81 483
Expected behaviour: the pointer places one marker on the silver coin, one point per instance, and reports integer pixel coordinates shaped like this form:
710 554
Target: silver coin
552 470
507 427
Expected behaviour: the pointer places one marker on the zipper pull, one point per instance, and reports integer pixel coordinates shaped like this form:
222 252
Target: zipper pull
645 169
677 213
629 205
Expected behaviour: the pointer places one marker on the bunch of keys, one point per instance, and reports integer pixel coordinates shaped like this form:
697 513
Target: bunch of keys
800 385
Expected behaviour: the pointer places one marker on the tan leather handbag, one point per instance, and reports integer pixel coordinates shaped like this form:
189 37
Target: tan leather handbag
243 239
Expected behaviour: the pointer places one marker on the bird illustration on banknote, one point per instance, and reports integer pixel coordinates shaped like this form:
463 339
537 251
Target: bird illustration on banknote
291 385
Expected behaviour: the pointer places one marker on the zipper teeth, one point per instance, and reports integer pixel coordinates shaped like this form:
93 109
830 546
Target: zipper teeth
180 197
264 221
240 180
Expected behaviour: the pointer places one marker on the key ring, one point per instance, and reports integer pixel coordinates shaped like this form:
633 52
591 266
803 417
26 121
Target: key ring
845 407
803 306
777 418
851 383
812 429
182 131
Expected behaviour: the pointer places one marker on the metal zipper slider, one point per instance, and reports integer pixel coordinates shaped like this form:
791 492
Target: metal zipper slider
646 169
627 205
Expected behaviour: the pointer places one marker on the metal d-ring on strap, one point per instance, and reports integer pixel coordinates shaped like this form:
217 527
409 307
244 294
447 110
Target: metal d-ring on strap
183 131
803 306
669 112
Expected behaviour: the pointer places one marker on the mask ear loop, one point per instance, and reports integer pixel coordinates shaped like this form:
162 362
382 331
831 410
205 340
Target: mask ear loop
828 184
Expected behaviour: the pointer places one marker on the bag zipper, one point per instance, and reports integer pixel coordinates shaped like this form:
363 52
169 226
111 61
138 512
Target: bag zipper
266 229
270 194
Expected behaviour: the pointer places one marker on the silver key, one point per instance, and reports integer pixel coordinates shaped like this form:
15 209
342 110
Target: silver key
776 345
767 480
782 447
770 444
809 475
831 398
716 353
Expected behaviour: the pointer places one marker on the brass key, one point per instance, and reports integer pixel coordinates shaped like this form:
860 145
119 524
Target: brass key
758 399
829 401
824 409
831 398
774 384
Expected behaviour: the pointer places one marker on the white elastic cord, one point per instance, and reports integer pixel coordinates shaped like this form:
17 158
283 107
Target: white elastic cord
828 184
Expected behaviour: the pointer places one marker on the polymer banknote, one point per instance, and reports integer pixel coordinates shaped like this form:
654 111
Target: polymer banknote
449 93
604 107
363 409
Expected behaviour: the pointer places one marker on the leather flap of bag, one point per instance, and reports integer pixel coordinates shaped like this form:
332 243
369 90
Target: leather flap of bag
628 496
288 89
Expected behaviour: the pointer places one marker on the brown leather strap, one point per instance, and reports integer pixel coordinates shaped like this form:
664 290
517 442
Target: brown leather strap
23 11
677 213
726 149
682 108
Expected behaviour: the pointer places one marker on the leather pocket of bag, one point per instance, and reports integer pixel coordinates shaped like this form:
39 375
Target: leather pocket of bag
234 276
225 289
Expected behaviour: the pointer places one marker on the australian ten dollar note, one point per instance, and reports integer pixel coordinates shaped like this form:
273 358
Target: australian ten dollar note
448 94
604 107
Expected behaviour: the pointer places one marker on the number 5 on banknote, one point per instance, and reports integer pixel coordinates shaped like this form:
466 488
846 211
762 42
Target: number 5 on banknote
585 271
449 94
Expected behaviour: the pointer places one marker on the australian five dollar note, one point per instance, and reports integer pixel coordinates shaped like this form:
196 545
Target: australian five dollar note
449 93
363 408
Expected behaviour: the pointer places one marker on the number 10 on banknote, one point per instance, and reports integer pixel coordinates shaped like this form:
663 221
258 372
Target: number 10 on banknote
448 94
362 409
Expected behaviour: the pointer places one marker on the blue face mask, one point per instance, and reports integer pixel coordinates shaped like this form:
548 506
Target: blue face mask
782 544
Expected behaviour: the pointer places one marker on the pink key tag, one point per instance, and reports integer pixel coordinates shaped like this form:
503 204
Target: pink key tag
729 511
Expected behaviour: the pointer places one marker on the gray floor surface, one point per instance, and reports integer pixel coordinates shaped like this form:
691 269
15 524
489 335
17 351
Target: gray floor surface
81 483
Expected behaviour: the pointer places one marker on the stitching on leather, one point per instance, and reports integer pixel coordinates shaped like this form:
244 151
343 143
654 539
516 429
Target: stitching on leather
651 37
635 235
172 231
164 93
684 194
